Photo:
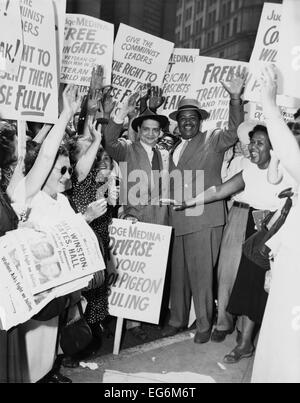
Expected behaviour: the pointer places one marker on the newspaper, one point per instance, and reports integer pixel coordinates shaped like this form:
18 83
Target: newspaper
37 266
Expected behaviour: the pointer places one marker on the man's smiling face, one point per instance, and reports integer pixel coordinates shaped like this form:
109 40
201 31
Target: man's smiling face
189 123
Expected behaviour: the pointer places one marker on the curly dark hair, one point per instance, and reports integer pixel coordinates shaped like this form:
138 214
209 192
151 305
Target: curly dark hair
8 133
263 129
32 151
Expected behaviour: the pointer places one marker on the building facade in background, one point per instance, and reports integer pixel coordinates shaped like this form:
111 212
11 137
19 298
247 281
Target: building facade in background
219 28
157 17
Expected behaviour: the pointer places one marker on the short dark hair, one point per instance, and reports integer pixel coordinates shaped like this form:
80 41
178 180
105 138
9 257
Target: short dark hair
260 128
7 146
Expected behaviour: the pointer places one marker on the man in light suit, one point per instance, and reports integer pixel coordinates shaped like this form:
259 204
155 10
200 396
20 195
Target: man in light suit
198 236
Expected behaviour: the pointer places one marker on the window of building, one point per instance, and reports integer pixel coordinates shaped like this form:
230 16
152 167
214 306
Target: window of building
198 43
223 32
228 8
222 54
188 13
199 6
227 34
179 19
187 33
198 26
235 26
236 4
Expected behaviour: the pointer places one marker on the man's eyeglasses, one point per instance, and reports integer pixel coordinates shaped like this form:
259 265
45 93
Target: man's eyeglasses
65 169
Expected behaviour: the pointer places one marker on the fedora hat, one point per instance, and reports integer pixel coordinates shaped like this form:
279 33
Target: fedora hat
189 105
245 128
148 114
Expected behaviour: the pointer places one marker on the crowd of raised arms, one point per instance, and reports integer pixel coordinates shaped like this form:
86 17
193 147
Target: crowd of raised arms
244 221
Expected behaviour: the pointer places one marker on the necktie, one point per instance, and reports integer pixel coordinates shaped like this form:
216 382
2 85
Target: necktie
155 161
156 167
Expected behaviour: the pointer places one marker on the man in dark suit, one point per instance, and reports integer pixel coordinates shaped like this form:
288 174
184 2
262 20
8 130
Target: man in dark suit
198 233
140 174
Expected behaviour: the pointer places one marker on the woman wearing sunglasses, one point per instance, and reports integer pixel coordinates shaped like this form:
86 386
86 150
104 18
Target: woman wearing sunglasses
38 198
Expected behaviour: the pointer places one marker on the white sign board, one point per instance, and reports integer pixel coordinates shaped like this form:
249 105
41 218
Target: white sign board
208 90
32 94
177 83
136 278
289 48
88 43
139 58
11 42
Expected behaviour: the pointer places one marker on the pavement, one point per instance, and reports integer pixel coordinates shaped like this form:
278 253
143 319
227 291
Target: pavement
170 360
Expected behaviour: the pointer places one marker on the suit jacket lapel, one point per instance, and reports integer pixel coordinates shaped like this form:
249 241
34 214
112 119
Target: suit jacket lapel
189 153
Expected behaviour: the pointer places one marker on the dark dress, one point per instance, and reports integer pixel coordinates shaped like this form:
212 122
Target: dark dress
11 353
248 297
82 195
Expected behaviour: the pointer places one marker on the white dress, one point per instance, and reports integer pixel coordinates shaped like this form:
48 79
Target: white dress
277 357
39 338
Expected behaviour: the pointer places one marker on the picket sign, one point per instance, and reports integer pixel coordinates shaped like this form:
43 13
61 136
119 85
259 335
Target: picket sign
136 272
118 335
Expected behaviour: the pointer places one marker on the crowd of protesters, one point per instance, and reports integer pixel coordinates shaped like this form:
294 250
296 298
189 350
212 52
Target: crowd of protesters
67 166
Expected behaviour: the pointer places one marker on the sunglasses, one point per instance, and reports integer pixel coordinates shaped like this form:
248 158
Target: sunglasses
63 170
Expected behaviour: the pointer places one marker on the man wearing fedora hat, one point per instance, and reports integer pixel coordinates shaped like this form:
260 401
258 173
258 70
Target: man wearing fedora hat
141 156
198 236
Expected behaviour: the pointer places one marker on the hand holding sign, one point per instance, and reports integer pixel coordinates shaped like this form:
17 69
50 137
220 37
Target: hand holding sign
235 86
156 99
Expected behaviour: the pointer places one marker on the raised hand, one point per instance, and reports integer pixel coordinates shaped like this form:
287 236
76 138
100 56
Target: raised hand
71 100
144 94
107 105
93 101
127 107
97 78
235 86
96 134
269 87
156 98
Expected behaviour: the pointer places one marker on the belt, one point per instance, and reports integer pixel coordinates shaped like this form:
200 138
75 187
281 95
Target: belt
241 205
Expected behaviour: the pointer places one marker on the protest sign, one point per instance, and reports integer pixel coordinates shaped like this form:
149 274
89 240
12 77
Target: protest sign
254 111
11 42
60 18
38 266
32 93
139 58
208 90
289 48
265 48
136 279
178 79
88 42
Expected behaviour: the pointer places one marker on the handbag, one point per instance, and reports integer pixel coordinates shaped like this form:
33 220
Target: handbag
255 248
75 336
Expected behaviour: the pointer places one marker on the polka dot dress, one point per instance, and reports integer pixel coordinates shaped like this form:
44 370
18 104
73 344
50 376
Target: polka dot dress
82 195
